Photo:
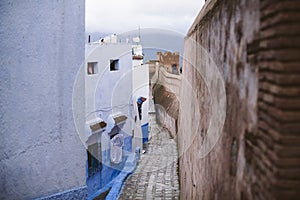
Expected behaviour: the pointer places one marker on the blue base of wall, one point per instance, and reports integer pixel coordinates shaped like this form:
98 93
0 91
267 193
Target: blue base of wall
128 143
145 132
109 171
105 176
76 193
115 186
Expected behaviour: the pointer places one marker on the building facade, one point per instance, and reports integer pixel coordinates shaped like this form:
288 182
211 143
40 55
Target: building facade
241 76
114 76
170 61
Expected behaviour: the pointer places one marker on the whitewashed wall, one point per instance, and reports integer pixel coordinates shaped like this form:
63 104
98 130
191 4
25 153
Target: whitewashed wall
140 88
41 50
109 92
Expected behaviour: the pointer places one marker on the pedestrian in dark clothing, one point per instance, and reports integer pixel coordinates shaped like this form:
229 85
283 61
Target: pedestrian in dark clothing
139 103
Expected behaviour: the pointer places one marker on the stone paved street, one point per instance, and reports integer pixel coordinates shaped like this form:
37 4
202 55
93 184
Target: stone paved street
156 176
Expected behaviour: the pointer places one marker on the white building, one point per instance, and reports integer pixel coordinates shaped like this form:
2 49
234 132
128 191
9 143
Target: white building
114 79
140 89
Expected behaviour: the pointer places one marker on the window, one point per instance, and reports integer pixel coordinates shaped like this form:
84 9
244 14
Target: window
94 159
92 68
174 69
114 65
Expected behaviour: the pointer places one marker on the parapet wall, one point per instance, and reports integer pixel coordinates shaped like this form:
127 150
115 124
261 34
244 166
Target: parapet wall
171 81
166 90
254 47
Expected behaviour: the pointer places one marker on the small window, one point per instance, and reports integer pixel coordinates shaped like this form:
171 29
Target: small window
114 65
174 69
92 68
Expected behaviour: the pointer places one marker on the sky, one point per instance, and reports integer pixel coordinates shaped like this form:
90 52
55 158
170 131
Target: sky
118 16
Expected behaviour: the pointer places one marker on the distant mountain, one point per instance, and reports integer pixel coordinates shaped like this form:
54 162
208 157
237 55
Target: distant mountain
152 40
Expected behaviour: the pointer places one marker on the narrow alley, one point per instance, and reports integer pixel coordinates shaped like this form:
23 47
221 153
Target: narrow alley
156 176
190 100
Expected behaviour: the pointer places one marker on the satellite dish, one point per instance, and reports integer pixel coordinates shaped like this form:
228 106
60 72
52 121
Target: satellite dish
136 39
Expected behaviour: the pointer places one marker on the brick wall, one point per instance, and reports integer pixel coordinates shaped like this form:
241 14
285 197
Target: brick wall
255 47
166 90
275 147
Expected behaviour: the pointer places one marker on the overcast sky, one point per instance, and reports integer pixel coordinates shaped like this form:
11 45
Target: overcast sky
118 16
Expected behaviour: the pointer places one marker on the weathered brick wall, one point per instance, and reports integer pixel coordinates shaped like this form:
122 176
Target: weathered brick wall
255 46
166 107
166 90
274 150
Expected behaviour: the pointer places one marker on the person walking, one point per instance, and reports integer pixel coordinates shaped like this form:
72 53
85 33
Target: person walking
139 103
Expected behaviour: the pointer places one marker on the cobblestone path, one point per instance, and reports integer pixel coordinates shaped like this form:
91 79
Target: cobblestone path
156 176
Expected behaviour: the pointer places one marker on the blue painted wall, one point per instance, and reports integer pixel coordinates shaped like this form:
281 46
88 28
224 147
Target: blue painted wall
145 132
109 170
107 174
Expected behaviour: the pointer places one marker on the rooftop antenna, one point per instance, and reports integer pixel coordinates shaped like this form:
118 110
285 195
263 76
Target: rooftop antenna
137 39
140 32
